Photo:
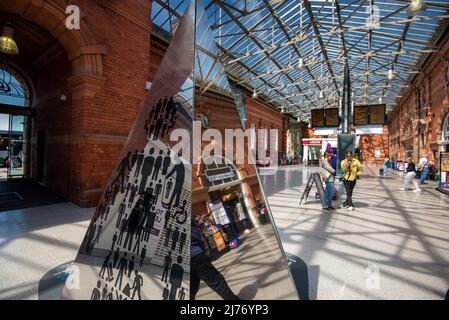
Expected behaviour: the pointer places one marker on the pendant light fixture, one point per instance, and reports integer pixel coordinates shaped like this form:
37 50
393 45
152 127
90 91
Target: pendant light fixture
255 94
7 43
416 7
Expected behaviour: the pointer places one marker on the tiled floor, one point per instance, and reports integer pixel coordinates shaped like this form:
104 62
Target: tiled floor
35 240
395 245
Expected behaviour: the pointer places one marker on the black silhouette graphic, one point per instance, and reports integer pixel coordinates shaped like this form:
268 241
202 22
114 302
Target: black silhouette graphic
166 292
140 158
175 238
142 255
152 194
123 265
137 285
147 169
96 295
176 274
121 171
182 241
179 170
168 232
182 294
167 266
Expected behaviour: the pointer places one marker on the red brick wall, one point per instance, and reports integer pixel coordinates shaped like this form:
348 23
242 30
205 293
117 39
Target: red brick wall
85 134
370 142
405 121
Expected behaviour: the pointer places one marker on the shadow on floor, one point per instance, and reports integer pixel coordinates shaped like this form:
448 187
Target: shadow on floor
25 193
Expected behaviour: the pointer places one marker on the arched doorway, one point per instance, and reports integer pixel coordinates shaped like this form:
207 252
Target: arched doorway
15 111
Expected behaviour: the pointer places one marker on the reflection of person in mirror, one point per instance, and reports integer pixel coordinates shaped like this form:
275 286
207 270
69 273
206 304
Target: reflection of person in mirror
201 268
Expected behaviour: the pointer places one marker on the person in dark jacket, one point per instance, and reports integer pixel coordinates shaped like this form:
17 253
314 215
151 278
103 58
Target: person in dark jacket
201 268
410 174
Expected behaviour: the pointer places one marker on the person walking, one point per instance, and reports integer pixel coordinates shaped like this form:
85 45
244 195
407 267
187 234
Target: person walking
410 174
387 165
329 179
351 170
423 169
202 269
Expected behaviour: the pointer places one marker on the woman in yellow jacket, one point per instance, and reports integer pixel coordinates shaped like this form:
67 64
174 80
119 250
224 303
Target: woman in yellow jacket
351 170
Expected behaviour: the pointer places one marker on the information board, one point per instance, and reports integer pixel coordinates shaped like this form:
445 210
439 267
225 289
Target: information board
331 117
377 114
361 115
318 118
218 212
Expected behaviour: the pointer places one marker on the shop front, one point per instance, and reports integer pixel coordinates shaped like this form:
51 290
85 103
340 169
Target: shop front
314 147
228 219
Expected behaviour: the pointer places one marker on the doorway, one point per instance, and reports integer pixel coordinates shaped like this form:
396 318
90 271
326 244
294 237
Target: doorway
13 146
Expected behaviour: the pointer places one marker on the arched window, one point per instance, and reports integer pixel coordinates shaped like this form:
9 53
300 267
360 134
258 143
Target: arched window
445 131
13 89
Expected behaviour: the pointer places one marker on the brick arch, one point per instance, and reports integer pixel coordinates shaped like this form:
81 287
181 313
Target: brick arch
84 53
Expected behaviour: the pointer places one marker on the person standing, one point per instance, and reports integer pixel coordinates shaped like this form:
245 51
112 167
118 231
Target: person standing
202 269
351 170
410 174
423 169
329 179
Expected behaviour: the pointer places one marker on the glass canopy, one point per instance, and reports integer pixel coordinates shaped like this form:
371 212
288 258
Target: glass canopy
292 53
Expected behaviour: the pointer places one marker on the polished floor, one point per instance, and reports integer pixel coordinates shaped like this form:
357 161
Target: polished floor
34 241
394 245
255 270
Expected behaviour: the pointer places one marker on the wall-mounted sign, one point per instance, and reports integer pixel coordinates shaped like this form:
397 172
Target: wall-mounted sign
331 117
316 142
377 114
361 115
318 118
219 173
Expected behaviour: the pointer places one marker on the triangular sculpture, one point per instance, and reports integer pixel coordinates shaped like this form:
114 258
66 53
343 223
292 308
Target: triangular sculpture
137 246
228 191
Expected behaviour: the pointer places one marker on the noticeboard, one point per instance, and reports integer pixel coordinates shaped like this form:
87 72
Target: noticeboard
218 212
331 117
377 114
361 115
318 118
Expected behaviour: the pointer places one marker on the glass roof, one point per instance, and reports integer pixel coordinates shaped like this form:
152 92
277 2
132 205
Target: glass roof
261 42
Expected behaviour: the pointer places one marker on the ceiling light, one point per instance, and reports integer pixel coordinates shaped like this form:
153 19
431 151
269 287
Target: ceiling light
416 7
300 63
390 74
7 43
283 110
254 94
298 119
321 94
380 100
